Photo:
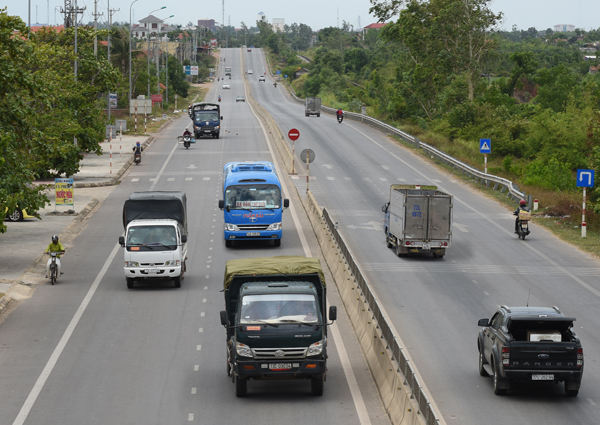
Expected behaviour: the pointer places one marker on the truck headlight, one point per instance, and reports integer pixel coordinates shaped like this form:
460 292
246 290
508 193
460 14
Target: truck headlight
172 263
243 350
315 349
132 264
274 226
217 127
231 227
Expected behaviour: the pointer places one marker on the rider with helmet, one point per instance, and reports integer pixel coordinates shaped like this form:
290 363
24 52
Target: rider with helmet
187 132
219 98
137 149
522 207
55 246
340 114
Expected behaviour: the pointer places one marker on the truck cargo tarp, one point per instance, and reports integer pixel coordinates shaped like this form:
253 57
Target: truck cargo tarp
156 205
280 265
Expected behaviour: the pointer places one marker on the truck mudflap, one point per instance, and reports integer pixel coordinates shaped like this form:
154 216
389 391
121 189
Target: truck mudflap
281 369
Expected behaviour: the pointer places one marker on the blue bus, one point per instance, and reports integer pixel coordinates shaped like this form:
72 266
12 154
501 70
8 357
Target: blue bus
252 202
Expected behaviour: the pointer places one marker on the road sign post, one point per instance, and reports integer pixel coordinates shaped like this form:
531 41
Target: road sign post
309 154
293 134
585 179
485 147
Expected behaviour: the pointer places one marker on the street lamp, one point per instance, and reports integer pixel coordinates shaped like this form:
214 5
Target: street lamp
130 30
158 59
164 7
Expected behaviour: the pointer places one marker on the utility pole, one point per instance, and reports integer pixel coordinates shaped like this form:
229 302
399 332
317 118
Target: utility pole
96 15
110 14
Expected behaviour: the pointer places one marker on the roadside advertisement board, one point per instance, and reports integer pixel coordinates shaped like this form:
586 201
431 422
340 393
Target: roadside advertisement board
64 191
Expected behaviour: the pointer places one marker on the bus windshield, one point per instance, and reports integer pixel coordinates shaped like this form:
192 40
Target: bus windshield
253 197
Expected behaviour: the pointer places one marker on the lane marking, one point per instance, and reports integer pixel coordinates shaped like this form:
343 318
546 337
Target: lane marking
198 347
194 389
41 381
135 180
200 329
591 401
190 417
357 397
330 178
162 169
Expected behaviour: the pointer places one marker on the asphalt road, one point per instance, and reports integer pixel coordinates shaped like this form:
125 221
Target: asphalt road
434 304
90 351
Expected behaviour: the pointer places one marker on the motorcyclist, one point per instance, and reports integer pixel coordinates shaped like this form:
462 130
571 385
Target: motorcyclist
522 207
137 149
219 98
55 246
275 83
218 78
187 132
340 114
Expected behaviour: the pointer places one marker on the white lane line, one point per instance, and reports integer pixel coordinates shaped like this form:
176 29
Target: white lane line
486 293
135 180
204 300
206 287
347 178
198 347
194 389
188 179
205 178
190 417
162 169
357 397
196 367
383 179
330 178
171 179
41 381
591 401
200 329
202 314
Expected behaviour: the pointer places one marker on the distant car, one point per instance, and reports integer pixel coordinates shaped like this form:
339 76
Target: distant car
250 71
261 78
240 99
226 86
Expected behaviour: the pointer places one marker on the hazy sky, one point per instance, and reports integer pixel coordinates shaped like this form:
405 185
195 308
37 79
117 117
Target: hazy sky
317 14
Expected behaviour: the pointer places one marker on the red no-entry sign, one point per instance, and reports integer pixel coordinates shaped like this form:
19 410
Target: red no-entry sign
293 134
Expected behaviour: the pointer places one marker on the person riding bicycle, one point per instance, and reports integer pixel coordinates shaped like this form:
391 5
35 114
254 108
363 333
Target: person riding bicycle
137 149
55 246
522 207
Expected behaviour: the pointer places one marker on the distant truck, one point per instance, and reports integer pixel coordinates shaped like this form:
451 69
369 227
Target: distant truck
276 322
252 203
155 238
530 344
228 70
418 219
312 106
207 119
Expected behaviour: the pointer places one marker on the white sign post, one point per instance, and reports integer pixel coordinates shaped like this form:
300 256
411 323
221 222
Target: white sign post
585 179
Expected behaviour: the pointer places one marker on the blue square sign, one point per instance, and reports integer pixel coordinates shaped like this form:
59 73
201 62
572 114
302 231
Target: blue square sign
485 145
585 178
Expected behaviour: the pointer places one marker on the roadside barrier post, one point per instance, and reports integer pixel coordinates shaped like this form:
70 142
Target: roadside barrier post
135 130
120 137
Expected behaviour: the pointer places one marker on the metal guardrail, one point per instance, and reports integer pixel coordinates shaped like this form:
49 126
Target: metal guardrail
404 365
483 178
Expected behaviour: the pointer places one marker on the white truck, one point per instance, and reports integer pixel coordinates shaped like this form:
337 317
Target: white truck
418 219
155 238
312 106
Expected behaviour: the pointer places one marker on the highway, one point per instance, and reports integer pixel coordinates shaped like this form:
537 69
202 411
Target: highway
90 351
434 304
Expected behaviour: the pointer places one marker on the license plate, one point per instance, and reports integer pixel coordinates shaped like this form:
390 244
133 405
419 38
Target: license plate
426 246
524 225
253 234
151 270
280 366
542 377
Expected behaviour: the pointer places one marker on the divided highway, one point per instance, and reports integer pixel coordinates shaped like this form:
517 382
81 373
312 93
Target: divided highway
435 304
90 351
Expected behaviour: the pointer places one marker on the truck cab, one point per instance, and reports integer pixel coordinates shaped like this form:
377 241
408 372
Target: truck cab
207 119
275 320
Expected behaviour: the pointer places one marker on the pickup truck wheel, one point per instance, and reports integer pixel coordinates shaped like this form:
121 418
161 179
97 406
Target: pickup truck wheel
569 390
177 281
276 242
482 361
241 387
130 283
316 385
228 243
497 381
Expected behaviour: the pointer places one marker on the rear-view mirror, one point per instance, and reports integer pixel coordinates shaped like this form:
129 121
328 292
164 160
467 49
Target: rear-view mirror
483 322
332 313
224 318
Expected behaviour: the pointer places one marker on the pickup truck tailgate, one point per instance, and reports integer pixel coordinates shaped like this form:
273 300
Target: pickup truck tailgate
543 355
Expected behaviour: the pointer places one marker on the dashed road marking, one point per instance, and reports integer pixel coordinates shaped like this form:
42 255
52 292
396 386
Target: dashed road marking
200 329
591 401
383 179
187 179
190 417
171 179
203 300
198 347
330 178
196 367
205 178
135 180
347 178
194 389
201 314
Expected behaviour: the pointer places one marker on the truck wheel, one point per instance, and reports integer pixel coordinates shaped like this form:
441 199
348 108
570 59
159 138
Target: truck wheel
130 283
482 361
497 381
217 136
318 115
276 242
571 388
228 243
241 386
316 385
399 249
177 281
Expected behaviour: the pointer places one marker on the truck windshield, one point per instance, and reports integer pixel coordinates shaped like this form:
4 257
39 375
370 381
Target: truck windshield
207 116
152 237
253 197
279 308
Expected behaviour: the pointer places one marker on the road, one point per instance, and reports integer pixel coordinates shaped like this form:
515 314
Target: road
434 304
90 351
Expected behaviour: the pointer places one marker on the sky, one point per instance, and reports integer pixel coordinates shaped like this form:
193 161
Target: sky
541 14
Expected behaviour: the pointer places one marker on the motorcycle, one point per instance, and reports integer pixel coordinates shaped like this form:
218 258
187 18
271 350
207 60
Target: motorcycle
54 266
186 139
219 98
340 118
523 224
137 158
275 84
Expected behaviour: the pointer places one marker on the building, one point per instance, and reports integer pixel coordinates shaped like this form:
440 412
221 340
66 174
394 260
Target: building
279 24
152 25
210 24
564 28
261 16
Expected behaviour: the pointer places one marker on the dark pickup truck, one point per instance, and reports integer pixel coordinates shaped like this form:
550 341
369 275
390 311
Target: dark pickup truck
532 344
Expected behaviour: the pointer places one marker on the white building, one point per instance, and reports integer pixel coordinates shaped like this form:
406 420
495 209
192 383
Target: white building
261 16
278 24
152 25
564 28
